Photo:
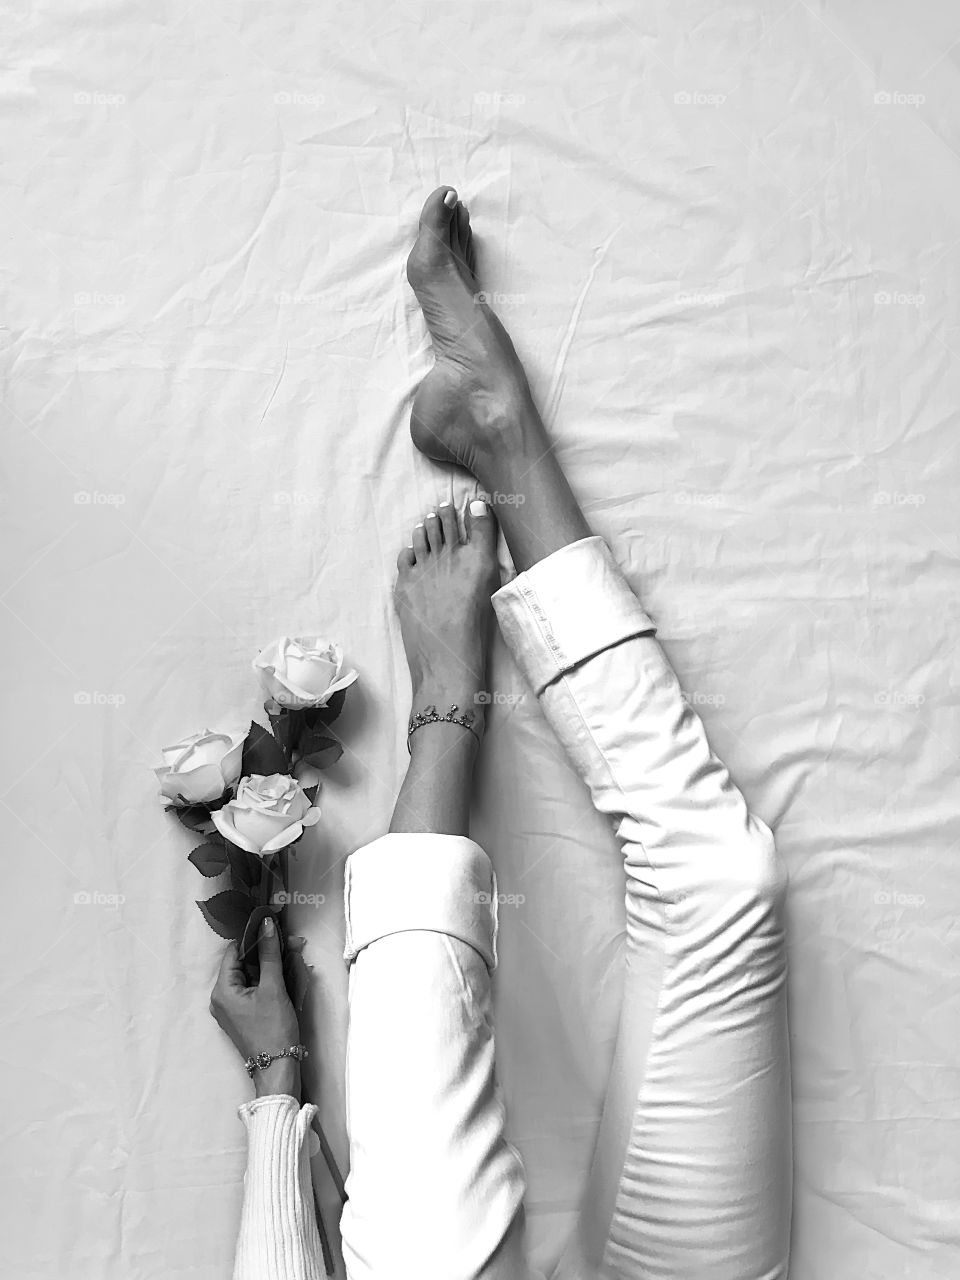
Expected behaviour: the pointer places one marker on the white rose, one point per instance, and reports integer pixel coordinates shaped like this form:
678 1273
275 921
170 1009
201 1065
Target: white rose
268 813
300 672
201 767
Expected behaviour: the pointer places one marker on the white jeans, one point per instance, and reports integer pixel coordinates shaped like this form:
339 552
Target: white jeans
691 1177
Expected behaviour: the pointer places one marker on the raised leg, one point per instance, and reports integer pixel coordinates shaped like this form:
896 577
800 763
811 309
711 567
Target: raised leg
692 1172
434 1188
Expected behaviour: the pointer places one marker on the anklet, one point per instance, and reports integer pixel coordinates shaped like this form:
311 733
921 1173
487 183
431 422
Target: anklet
430 715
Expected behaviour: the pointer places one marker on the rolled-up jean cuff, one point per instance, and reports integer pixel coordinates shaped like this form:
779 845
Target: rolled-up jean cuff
567 607
421 881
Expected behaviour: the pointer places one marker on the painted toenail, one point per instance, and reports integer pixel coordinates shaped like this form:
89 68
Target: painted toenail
419 526
450 199
431 515
478 508
444 504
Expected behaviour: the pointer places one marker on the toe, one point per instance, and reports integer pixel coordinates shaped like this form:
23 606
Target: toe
421 548
448 522
406 560
481 525
434 240
434 536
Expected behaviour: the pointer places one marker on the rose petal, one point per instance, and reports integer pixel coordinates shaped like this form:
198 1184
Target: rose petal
285 838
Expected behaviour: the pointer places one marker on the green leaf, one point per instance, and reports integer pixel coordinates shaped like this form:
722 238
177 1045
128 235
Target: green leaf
326 715
193 816
209 859
262 753
324 757
227 913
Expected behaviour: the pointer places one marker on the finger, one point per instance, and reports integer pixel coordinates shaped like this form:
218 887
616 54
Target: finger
271 961
230 977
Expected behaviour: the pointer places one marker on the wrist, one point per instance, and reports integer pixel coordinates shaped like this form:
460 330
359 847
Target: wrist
282 1076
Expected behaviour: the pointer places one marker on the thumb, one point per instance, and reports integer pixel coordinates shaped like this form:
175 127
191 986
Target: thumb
268 949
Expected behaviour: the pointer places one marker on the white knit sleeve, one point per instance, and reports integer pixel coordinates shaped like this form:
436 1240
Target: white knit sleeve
278 1228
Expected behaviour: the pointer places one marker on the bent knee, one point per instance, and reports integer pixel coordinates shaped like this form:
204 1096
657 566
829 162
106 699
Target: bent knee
758 870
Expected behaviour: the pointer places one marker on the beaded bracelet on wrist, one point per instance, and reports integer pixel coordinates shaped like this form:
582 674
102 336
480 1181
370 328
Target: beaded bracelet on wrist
430 715
260 1061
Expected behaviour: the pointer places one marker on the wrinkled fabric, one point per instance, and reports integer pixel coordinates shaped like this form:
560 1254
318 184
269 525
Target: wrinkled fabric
740 320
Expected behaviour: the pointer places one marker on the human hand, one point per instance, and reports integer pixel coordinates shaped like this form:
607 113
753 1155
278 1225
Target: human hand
259 1018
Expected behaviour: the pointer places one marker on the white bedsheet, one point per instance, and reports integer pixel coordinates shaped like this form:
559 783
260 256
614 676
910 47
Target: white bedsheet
732 269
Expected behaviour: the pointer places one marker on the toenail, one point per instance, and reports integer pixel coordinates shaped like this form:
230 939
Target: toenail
444 504
419 526
478 508
431 515
450 199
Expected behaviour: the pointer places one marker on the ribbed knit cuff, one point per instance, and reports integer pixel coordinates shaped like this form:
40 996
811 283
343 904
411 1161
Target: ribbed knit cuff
278 1228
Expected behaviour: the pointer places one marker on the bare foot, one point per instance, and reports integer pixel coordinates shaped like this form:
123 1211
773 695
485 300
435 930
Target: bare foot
476 394
442 595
